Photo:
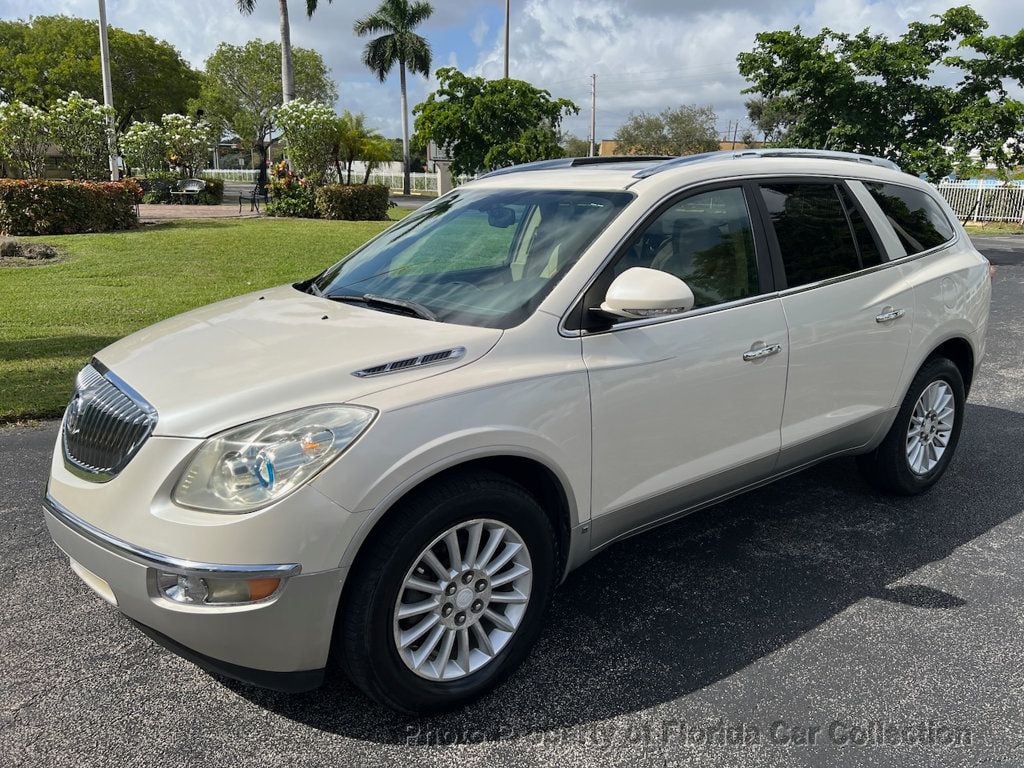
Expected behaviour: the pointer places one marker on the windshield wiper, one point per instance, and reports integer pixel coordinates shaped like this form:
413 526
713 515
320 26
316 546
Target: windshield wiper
384 302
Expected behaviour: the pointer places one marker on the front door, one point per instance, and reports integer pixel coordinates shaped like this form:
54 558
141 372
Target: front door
688 408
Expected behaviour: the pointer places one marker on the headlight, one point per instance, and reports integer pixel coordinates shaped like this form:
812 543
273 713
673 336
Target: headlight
251 466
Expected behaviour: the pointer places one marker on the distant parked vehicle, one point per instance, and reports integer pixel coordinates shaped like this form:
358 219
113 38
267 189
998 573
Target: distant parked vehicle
395 462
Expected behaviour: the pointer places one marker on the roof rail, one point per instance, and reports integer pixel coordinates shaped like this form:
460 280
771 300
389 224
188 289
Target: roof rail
809 154
575 162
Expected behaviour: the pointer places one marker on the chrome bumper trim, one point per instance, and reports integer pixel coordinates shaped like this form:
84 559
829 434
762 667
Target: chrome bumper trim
159 561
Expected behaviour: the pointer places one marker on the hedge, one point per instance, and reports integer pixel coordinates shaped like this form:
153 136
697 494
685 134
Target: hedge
43 207
355 202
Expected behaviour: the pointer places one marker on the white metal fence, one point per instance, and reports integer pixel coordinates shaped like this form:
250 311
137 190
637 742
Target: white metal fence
247 175
978 201
420 183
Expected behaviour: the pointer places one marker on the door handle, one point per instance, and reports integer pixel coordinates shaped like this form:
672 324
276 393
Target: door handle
760 352
889 314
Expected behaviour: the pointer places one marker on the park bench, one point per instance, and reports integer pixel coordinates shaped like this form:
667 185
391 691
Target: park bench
253 197
188 188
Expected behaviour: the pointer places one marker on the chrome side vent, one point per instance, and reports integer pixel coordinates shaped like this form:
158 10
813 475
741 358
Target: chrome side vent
104 425
431 358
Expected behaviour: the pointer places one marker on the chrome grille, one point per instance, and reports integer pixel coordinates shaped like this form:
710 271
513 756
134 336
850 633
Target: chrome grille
104 425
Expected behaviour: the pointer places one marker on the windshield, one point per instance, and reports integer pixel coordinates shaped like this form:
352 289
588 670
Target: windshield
475 257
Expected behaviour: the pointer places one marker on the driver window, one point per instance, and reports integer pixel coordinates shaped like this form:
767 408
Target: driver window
706 240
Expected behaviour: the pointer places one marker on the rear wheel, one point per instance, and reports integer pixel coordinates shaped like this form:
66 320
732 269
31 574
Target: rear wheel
449 595
922 440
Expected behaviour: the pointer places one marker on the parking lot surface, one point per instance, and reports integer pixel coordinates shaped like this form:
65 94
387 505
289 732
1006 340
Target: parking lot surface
812 622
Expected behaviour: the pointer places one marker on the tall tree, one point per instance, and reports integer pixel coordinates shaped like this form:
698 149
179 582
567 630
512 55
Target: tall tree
398 45
287 66
487 124
869 93
48 57
240 90
686 130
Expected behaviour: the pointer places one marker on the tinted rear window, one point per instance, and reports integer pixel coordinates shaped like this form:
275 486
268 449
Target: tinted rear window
814 235
919 221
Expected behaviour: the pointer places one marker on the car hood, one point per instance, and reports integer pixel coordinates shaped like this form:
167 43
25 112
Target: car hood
274 351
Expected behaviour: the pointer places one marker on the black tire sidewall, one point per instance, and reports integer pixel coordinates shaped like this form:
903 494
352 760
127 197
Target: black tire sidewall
939 369
500 501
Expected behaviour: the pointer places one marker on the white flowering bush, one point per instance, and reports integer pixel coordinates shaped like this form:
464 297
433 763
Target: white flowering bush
144 147
308 128
82 128
24 137
189 142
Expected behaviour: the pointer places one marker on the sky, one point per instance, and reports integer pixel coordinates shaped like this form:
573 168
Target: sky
647 54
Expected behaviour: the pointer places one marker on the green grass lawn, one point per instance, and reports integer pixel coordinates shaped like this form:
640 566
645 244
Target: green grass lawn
54 317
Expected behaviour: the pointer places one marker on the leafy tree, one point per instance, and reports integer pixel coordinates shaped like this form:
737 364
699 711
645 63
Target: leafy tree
81 128
189 142
686 130
309 127
241 90
868 93
144 147
398 45
288 91
47 57
574 146
376 151
772 118
350 136
24 136
488 124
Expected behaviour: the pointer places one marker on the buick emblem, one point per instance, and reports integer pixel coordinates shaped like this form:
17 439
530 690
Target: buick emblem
74 414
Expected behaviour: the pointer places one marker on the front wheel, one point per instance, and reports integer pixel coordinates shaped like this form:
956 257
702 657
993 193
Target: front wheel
449 595
922 440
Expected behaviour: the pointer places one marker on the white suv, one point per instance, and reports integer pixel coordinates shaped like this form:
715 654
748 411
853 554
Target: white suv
393 464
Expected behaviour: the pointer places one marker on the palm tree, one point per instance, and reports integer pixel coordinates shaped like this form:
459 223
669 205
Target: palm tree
400 45
287 72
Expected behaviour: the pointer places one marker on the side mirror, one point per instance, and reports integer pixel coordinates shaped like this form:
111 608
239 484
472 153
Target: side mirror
640 292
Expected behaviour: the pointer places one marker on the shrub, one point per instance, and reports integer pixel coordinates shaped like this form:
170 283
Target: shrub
156 187
39 207
213 192
290 195
356 202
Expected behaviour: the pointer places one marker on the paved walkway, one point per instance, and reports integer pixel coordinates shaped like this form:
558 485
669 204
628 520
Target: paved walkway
170 212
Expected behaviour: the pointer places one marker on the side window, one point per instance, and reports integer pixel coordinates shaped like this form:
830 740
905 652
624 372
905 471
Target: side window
812 227
705 240
919 221
867 248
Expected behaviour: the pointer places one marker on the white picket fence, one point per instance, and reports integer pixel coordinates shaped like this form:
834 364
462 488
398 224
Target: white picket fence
979 201
420 183
246 175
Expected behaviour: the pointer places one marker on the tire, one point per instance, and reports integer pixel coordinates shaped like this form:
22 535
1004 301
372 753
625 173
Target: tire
368 635
890 467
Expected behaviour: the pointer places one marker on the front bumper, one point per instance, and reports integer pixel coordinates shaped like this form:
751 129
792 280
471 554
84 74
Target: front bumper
281 642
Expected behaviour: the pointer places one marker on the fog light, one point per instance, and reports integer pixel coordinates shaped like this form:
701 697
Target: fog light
193 589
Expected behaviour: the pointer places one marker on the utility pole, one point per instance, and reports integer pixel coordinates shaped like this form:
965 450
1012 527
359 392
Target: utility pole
593 115
734 132
108 91
508 18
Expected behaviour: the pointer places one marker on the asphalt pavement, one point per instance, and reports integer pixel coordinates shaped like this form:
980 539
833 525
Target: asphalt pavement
812 622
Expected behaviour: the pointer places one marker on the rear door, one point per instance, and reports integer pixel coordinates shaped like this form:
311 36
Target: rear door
849 313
